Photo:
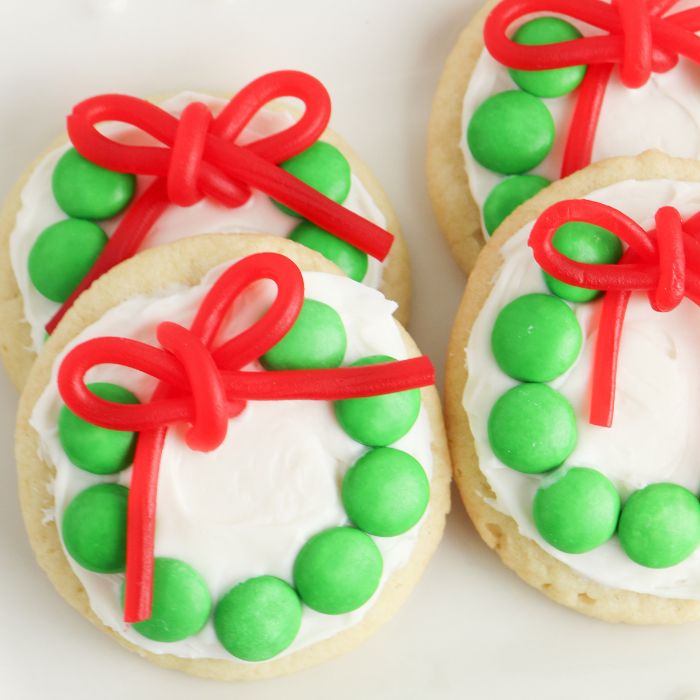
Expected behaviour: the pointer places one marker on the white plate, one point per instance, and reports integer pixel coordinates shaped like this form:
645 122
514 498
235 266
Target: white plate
472 629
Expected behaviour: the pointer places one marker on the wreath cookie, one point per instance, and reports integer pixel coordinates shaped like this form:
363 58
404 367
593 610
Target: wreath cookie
571 400
534 91
297 454
89 203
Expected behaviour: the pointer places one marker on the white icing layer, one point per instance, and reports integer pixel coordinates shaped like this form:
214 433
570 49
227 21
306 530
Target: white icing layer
246 508
654 436
38 209
664 114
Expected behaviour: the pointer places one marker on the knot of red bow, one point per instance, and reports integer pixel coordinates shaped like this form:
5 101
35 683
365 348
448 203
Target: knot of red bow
664 262
204 384
199 157
639 37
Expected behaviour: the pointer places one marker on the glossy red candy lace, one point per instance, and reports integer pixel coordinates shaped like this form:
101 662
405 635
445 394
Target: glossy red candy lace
204 383
200 158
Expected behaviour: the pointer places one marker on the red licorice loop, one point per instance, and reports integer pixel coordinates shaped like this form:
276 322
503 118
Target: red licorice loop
640 38
199 157
204 385
664 263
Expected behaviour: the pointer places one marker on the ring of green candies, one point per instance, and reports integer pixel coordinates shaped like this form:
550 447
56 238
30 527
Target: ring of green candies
512 132
65 251
385 493
535 339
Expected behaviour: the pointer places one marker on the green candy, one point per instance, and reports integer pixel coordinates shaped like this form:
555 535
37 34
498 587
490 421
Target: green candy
94 528
584 243
352 261
507 196
322 167
94 449
181 602
385 492
87 191
557 81
511 132
536 338
377 421
532 428
338 570
660 525
578 511
62 255
259 618
316 340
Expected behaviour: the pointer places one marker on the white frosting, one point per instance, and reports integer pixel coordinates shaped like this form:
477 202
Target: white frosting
664 114
38 209
246 508
654 436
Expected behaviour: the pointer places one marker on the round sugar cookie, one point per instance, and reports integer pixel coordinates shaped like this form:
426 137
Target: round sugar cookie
497 136
552 516
43 196
279 600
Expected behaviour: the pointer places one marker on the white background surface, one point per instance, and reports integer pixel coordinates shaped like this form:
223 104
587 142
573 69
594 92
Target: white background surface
471 629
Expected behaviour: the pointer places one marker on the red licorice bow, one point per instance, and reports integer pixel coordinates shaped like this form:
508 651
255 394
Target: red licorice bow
200 158
664 262
204 384
640 39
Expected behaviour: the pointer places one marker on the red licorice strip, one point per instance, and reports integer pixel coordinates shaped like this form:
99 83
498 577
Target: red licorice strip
204 385
664 262
199 158
640 39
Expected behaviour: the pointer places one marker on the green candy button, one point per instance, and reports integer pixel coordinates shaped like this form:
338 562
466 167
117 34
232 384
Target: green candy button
94 449
557 81
94 528
322 167
377 421
87 191
62 255
578 511
536 338
181 602
511 132
532 428
316 340
352 261
385 492
259 618
508 195
660 525
338 570
584 243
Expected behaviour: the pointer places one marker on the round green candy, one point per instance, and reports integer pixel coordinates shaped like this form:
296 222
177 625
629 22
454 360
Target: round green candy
338 570
94 449
584 243
94 528
322 167
556 81
259 618
181 602
508 195
385 492
87 191
578 511
352 261
536 338
62 255
510 132
660 525
377 421
532 428
316 340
